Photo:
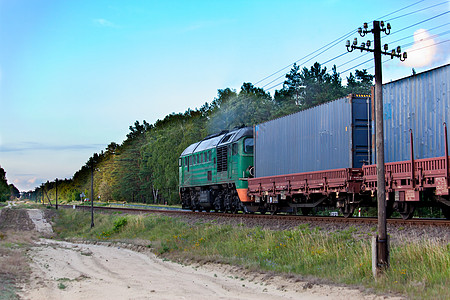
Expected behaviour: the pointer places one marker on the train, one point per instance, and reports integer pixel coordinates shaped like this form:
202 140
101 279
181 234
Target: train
323 156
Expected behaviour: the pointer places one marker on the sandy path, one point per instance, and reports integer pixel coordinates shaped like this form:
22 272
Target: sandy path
41 225
92 271
63 270
101 272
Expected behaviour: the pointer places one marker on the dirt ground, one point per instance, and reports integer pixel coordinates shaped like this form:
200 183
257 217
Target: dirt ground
63 270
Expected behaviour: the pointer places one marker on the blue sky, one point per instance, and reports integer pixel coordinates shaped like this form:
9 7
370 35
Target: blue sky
74 75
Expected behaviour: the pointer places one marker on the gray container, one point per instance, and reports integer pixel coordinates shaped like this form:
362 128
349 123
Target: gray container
422 103
329 136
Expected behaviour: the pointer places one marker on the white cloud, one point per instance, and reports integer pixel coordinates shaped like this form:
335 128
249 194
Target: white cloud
32 180
104 23
423 52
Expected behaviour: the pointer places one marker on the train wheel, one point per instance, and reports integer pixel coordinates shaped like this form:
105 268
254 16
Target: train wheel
406 210
306 211
347 210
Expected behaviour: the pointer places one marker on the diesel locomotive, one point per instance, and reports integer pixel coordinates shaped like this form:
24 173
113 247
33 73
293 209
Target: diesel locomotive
213 173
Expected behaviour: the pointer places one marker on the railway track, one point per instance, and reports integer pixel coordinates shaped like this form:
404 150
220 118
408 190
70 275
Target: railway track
292 218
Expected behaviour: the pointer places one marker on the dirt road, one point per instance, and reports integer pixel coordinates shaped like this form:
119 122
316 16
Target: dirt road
62 270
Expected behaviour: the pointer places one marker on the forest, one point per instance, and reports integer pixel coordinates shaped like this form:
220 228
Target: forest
7 191
144 167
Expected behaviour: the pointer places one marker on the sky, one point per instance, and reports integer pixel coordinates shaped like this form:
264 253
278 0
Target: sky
75 74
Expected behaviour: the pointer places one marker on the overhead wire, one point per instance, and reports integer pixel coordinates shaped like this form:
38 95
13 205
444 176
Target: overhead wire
418 23
413 12
389 59
306 56
415 24
444 33
394 12
338 40
366 53
428 30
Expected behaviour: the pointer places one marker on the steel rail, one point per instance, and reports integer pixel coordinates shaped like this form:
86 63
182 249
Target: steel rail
353 220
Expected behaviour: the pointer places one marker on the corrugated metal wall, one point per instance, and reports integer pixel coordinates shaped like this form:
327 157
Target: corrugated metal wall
421 103
319 138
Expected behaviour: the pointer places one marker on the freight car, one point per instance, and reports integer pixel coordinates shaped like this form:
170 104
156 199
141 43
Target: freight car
304 144
322 149
211 171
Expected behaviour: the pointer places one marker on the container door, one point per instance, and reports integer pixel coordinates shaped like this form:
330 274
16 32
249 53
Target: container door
361 132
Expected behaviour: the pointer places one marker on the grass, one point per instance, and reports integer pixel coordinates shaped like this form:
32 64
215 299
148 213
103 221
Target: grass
61 286
419 270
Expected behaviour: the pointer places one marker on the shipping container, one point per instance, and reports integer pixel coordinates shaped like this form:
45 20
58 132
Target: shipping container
421 103
333 135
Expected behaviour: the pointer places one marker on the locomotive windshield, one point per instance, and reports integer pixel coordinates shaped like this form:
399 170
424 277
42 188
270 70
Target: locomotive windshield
248 145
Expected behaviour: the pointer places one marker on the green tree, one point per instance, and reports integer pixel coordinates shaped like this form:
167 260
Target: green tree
320 87
361 83
14 192
5 192
251 106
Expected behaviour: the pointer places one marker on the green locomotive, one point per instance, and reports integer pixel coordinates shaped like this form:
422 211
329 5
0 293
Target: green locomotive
213 172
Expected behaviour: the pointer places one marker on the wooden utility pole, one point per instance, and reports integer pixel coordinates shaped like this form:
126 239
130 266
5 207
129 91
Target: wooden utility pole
380 243
92 195
56 192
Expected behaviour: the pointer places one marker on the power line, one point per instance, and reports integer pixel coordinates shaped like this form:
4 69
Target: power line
400 9
364 62
419 10
356 58
428 30
405 45
428 38
400 30
440 34
429 46
387 60
337 40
